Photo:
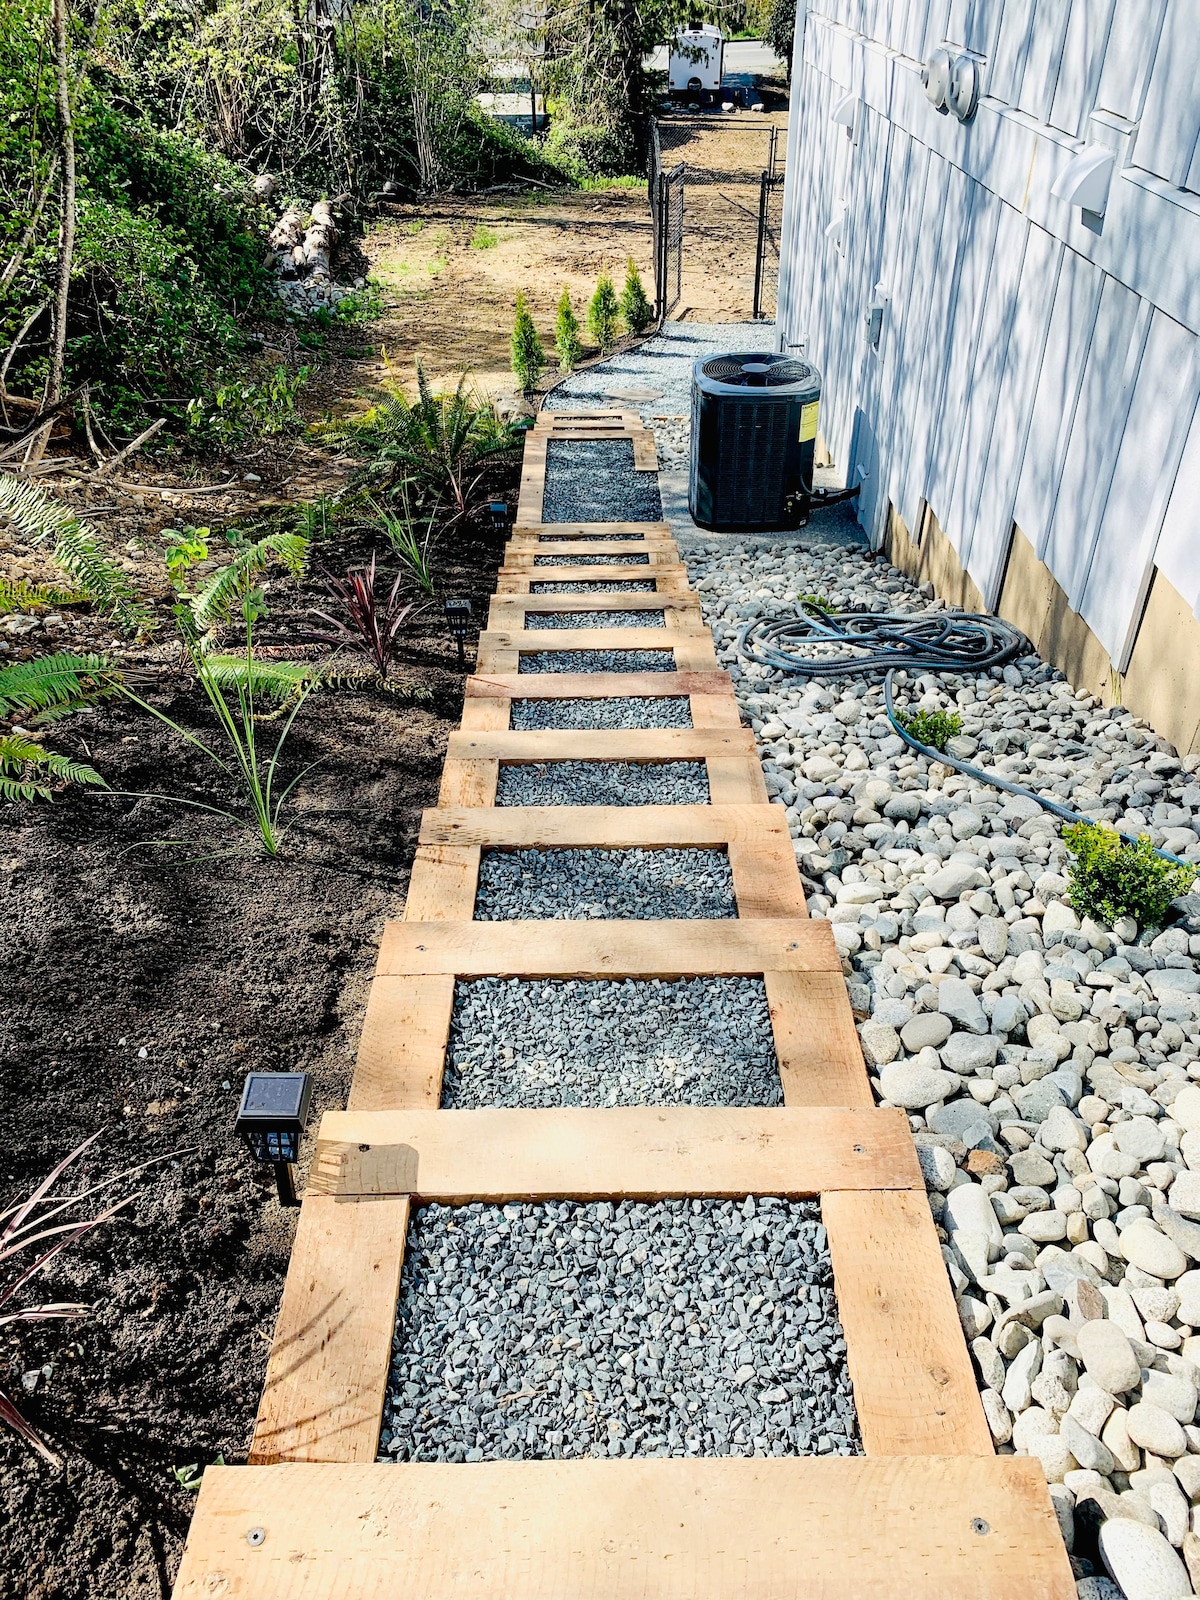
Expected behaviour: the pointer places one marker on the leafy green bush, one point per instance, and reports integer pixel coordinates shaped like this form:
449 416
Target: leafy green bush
604 314
235 412
635 307
934 728
1109 879
566 334
585 150
528 354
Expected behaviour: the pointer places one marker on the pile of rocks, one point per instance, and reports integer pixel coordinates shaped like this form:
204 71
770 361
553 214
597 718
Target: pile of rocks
604 783
619 711
597 660
676 1328
593 480
596 619
577 885
692 1041
1046 1063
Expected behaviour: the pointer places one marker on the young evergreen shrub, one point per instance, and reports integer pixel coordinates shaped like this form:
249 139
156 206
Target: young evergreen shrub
566 334
934 728
528 356
635 307
604 314
1109 879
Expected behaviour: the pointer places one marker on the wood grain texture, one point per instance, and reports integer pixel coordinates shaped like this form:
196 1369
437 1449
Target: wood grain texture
615 827
602 686
735 782
402 1048
835 1528
608 949
522 605
536 640
716 707
634 1152
592 530
327 1372
468 781
766 879
610 744
816 1042
666 579
914 1386
523 548
443 884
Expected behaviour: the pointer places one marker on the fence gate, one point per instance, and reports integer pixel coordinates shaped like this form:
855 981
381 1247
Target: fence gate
668 240
766 261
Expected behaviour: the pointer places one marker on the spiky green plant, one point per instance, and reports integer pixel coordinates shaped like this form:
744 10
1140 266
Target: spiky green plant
604 314
50 687
18 594
635 307
27 769
566 334
442 444
412 537
78 551
528 354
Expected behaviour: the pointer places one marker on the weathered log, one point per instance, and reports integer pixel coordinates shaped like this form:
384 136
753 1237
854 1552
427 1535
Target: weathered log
319 240
264 186
288 231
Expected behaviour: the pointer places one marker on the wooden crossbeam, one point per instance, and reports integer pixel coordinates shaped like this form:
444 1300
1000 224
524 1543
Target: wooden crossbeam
619 1153
595 685
534 745
500 650
832 1528
666 580
608 827
509 609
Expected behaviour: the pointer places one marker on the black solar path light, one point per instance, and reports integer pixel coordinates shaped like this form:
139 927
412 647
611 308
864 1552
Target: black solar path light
458 618
271 1118
498 512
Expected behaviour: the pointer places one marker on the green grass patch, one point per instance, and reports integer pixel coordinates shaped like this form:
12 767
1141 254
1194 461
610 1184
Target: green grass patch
484 238
628 181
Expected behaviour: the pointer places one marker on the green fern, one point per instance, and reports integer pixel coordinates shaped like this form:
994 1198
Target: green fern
229 587
27 769
53 686
274 680
88 564
18 594
77 551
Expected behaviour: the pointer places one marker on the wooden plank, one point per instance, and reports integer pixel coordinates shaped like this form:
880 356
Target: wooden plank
602 686
560 531
717 708
816 1043
468 781
602 949
327 1372
603 744
402 1049
914 1386
606 827
735 782
443 884
549 604
831 1528
766 878
539 640
521 551
666 580
618 1153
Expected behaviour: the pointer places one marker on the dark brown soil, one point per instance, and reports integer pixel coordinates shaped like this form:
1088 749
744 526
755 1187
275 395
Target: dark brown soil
140 983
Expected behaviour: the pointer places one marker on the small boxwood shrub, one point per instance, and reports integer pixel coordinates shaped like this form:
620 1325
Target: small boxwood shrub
1109 879
934 728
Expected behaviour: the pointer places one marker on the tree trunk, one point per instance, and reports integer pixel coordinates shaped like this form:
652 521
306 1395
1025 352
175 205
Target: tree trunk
66 238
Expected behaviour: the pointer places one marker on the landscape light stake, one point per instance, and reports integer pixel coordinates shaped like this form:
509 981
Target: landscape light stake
498 511
458 616
271 1118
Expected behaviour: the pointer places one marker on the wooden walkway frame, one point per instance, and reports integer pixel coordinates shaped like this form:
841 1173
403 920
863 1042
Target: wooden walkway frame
928 1511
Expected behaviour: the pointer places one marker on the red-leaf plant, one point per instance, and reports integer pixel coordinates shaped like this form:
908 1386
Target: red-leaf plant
369 621
28 1224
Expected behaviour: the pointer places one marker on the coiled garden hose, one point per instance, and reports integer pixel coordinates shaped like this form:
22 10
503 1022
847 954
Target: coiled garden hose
886 641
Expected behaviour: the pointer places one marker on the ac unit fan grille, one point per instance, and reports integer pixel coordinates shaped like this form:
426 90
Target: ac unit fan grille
780 370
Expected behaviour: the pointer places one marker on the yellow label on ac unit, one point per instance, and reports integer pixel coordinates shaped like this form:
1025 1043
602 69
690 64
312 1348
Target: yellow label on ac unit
808 421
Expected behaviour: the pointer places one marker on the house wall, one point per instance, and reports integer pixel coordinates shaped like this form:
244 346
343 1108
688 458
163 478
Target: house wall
1027 434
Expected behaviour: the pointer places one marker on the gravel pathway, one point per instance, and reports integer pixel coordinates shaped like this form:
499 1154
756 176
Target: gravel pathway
694 1041
646 885
677 1328
630 560
596 619
662 365
596 586
619 711
603 783
593 480
1048 1064
597 660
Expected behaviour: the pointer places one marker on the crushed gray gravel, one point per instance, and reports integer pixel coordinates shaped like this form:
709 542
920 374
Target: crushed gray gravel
593 480
670 1328
576 885
663 365
619 711
597 661
603 783
596 619
570 1042
596 586
630 560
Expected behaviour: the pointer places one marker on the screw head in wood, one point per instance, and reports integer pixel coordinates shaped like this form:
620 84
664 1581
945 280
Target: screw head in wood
978 1525
255 1537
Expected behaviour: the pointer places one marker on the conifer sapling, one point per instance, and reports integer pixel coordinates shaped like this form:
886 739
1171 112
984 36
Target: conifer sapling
635 307
566 334
528 356
604 314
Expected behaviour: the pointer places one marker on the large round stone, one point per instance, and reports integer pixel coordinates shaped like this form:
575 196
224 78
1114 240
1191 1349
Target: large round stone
926 1028
913 1086
1156 1430
1108 1356
1144 1246
1142 1562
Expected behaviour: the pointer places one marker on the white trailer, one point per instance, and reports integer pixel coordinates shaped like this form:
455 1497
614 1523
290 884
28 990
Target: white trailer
697 59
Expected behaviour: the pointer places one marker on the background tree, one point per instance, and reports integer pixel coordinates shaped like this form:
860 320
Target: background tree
566 334
604 314
635 307
528 354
